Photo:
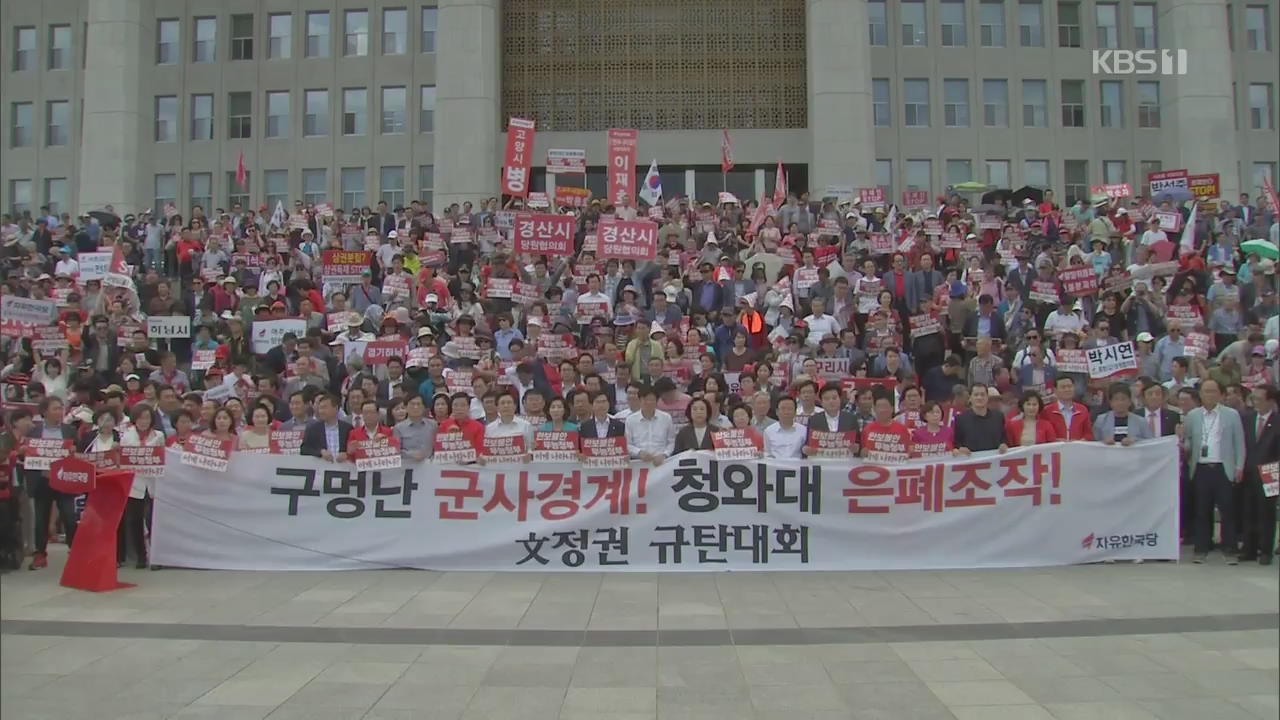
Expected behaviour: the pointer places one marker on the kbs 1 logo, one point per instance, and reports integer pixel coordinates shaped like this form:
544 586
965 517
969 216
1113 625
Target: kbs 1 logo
1139 62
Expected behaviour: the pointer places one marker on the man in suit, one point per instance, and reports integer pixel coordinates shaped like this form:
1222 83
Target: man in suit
1163 421
833 418
920 284
384 222
1214 438
326 438
986 322
37 483
1118 425
708 295
1262 445
600 425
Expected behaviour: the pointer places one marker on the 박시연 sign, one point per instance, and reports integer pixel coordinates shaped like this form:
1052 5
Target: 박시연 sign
1111 360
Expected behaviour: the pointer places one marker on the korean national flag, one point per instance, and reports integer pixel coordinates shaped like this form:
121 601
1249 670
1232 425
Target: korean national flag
651 193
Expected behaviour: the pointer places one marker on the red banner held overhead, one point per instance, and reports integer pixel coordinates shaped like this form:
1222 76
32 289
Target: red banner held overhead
623 239
518 163
622 166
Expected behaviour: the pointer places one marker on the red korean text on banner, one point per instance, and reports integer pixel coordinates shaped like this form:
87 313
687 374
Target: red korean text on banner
622 166
206 452
503 449
40 453
544 234
871 197
284 442
72 476
737 444
344 266
925 324
1045 291
628 239
1114 191
1080 281
103 459
378 352
518 162
142 459
832 444
555 446
881 243
914 199
572 197
610 452
379 453
886 444
452 447
502 288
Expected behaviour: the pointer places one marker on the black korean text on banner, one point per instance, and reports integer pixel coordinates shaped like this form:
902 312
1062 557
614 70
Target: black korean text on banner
162 327
1112 360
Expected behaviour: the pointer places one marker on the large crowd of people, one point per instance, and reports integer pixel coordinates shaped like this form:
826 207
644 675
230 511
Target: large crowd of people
955 328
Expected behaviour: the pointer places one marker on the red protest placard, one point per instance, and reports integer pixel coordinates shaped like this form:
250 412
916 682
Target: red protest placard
378 352
628 239
284 442
518 161
584 312
605 452
1204 187
622 165
544 234
573 197
1044 291
1198 344
452 447
886 444
871 197
1118 190
1187 317
566 162
142 459
495 287
925 324
379 453
737 444
932 226
1269 473
344 266
831 444
881 243
557 347
207 452
40 453
1071 360
48 338
1079 281
555 446
203 359
72 476
503 449
913 199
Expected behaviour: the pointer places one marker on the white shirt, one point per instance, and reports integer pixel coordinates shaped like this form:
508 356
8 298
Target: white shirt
656 435
1059 322
69 266
517 427
783 443
596 297
821 326
1210 436
1152 237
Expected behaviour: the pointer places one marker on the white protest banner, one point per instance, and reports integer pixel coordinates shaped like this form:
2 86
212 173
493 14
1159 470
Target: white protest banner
566 161
268 333
1169 221
1111 360
93 265
160 327
15 308
1079 281
1071 360
925 324
1055 504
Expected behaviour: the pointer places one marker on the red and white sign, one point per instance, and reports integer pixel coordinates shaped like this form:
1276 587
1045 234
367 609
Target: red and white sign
737 444
544 234
142 459
915 199
622 166
1080 281
72 476
379 453
1205 187
1197 344
452 447
566 162
886 444
1270 476
48 339
378 352
871 197
1071 360
572 197
926 324
628 239
495 287
831 444
1114 191
880 243
203 359
284 442
207 452
1112 360
344 266
555 446
1169 221
1166 180
518 162
504 449
40 453
1044 291
605 452
726 153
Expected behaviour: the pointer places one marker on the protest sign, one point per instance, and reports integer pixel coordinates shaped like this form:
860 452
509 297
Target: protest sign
880 243
452 447
555 446
871 197
1113 191
566 162
1112 360
925 324
544 234
628 239
376 453
93 265
379 352
1204 187
48 339
39 453
142 459
207 452
1080 281
621 146
518 160
1169 221
160 327
1045 291
737 444
915 199
610 452
572 197
503 449
284 442
831 444
1166 180
1071 360
831 368
270 333
203 359
344 266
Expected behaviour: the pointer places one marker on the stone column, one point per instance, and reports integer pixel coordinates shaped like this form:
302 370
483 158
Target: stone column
468 98
1199 103
840 102
113 111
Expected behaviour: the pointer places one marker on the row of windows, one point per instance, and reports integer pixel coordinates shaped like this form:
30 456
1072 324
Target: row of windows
59 48
954 20
314 188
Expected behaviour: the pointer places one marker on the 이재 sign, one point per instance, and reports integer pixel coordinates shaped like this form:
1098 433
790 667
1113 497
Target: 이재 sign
628 239
544 234
1110 360
519 157
566 162
168 326
622 166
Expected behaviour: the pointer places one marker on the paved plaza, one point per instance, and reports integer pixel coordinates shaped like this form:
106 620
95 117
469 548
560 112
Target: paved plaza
1114 642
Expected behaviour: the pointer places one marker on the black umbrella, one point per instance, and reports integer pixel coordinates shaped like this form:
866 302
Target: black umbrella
1027 191
994 197
104 218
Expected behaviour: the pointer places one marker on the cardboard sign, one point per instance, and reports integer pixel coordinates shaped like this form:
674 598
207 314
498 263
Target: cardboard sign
142 459
1111 360
628 239
380 352
831 444
605 452
379 453
168 326
926 324
518 160
40 453
566 162
452 447
284 442
737 444
504 449
544 234
73 476
1080 281
555 446
621 146
344 266
207 452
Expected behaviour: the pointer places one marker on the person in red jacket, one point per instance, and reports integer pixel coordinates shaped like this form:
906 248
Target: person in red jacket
1030 427
371 427
1070 418
460 420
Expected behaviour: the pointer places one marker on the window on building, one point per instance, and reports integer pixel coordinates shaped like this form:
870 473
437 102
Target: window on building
391 185
955 102
236 193
395 36
59 47
426 183
1257 28
352 182
1144 27
166 190
918 175
1036 173
884 177
998 173
991 23
1147 167
166 118
315 113
1111 104
1260 172
878 24
201 117
1075 181
20 196
57 123
995 103
55 194
427 109
204 48
1113 172
315 186
430 25
242 36
1148 104
881 112
1072 103
1107 25
200 190
167 38
317 34
239 115
915 28
280 36
915 112
277 114
24 50
1030 23
1035 104
393 109
21 124
1069 24
354 105
1260 115
959 171
355 33
954 29
275 187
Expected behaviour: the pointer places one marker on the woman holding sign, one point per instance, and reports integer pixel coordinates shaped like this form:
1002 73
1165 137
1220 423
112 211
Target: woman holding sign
143 433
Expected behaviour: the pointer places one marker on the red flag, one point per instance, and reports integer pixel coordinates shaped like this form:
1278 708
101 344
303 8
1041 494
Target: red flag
242 176
780 186
1269 187
726 153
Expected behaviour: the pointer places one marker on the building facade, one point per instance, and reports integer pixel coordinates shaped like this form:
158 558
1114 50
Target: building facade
136 103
